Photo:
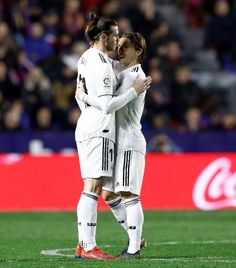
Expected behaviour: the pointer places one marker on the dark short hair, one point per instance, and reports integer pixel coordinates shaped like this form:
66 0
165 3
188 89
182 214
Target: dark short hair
138 42
98 25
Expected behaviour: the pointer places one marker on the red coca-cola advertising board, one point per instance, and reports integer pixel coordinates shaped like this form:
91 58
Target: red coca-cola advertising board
171 182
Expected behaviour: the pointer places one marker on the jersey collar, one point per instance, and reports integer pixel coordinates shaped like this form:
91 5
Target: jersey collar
131 67
99 51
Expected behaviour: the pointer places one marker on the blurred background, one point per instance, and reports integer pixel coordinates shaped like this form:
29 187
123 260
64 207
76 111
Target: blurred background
191 56
190 110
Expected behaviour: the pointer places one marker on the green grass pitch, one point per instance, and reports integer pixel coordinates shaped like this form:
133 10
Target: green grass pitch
175 239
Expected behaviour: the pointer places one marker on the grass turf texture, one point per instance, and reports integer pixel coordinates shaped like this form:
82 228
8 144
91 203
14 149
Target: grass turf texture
201 239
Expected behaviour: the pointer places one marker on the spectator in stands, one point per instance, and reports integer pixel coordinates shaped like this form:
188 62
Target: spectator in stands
110 9
160 36
37 91
21 18
124 25
220 33
63 72
6 38
9 90
43 119
172 58
185 93
73 20
51 24
193 118
194 11
158 100
160 121
36 47
226 121
24 65
159 96
161 143
12 117
8 52
143 17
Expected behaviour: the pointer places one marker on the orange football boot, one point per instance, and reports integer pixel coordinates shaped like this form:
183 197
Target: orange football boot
96 253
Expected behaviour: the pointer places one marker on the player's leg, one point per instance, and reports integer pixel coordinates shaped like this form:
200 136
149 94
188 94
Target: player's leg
87 213
93 170
116 205
113 200
128 184
135 221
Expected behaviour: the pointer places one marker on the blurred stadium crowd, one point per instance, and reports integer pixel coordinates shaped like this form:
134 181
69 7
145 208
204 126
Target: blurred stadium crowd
191 58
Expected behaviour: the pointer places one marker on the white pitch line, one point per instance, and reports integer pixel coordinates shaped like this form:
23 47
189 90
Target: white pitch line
219 259
58 252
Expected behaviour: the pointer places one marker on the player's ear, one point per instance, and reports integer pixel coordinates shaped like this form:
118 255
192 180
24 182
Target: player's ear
103 36
139 52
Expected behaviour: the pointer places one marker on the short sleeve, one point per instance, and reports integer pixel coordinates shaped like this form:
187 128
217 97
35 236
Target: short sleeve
104 83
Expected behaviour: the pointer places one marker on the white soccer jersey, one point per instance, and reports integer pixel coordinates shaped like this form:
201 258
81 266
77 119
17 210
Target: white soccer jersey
128 127
96 73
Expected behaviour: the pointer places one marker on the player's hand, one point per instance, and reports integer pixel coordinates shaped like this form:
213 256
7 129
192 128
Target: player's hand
142 85
79 91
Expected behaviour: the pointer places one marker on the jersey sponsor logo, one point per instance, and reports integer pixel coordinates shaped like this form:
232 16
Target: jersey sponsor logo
215 187
107 82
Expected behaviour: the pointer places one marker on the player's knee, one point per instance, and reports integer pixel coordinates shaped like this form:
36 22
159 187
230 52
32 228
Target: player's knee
128 195
107 196
93 185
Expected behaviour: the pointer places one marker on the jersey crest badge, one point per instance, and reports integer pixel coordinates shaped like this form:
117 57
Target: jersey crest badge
107 82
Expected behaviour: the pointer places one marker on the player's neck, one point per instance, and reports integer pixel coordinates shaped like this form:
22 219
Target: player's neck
101 47
130 64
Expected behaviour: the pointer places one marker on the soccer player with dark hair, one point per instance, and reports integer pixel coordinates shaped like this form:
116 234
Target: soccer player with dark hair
131 144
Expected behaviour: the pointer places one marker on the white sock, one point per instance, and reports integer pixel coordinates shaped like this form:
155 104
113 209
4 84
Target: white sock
87 220
135 221
118 209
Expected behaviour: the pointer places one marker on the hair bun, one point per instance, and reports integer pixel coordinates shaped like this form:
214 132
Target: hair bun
94 17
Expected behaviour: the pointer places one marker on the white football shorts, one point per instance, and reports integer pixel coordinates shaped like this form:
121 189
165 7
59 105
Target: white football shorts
96 156
129 171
